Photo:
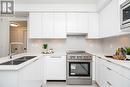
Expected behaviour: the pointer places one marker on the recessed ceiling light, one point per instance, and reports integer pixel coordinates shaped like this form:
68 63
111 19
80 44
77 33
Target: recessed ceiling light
14 25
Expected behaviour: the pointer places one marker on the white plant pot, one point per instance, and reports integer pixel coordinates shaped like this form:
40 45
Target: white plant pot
128 56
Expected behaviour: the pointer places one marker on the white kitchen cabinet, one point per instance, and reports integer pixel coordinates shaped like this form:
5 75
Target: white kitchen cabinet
94 68
97 70
110 20
31 75
77 22
111 75
116 80
59 25
93 29
47 25
35 25
55 68
100 72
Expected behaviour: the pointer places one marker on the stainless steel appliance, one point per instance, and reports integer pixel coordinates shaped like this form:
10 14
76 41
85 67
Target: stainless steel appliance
79 67
125 14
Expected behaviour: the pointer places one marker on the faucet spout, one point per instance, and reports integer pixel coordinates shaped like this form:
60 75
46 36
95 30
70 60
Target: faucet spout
11 55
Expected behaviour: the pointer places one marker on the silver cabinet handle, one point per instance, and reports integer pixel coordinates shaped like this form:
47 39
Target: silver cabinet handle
109 68
109 83
108 61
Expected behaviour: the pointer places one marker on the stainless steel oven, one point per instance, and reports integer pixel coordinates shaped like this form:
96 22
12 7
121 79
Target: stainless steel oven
125 14
79 68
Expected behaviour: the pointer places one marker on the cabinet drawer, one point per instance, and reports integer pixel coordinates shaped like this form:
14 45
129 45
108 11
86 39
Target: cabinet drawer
113 79
119 69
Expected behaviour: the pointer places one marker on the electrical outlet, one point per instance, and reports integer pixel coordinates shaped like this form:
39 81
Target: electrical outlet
111 46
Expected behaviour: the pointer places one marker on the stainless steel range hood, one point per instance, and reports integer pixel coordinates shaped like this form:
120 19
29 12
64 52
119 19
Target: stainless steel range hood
76 34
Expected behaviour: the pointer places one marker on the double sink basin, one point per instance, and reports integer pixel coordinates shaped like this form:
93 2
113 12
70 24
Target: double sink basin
18 61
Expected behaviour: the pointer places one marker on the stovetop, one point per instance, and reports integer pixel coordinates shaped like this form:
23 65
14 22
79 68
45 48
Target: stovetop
74 55
77 52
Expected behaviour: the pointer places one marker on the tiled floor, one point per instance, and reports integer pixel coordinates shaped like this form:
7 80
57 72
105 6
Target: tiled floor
64 85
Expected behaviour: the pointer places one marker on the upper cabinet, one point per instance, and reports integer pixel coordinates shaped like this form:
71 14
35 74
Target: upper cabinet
60 25
93 28
47 25
77 23
110 20
35 25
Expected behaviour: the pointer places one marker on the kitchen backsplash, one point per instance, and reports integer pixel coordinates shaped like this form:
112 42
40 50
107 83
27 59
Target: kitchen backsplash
60 46
109 45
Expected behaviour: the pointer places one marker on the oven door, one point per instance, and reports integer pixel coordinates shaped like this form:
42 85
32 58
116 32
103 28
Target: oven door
79 69
125 14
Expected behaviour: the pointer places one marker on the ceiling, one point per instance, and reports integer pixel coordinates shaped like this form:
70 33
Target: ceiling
56 1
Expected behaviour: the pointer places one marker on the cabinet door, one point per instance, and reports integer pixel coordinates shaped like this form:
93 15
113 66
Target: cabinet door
100 72
93 67
110 20
35 25
82 22
116 80
93 30
56 68
48 25
77 22
31 75
59 25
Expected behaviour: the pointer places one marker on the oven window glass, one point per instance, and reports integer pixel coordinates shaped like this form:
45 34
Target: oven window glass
126 13
79 68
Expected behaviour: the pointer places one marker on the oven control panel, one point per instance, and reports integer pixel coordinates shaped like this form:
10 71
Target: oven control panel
78 57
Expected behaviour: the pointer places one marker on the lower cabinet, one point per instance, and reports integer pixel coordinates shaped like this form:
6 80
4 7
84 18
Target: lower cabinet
107 75
31 75
55 68
100 72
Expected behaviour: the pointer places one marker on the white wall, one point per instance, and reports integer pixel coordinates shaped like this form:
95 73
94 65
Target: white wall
4 37
61 46
109 45
35 45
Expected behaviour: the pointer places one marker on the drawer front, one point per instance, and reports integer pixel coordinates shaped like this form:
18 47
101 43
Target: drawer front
113 79
118 69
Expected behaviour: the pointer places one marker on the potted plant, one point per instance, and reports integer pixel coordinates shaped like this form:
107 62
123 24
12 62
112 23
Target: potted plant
45 46
127 51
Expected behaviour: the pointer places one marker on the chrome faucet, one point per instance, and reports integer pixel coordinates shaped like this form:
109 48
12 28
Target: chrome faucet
11 55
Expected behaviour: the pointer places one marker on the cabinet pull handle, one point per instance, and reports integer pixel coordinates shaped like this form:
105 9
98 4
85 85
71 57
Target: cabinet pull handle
109 68
99 57
109 83
108 61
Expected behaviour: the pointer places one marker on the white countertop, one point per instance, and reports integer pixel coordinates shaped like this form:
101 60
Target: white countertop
19 66
122 63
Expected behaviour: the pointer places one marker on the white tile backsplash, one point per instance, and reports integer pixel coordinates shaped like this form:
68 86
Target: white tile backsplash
109 45
60 46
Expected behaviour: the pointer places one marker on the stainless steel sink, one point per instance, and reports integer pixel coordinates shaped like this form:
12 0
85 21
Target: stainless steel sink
18 61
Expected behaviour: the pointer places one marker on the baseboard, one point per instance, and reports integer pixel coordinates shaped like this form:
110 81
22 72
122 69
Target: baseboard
56 80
